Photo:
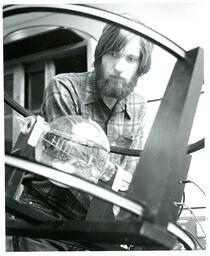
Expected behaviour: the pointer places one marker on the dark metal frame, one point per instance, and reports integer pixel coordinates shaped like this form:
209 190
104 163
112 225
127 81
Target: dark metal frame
165 152
33 221
163 163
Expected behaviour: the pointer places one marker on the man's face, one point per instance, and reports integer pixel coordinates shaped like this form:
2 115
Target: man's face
116 76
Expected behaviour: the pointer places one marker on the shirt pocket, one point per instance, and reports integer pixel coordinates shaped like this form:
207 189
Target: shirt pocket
125 140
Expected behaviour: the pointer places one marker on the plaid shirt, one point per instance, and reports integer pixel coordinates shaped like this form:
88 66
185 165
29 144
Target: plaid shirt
76 94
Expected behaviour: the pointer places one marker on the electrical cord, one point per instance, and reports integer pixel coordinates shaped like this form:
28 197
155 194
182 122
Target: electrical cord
189 234
195 218
182 206
182 236
191 211
192 182
195 239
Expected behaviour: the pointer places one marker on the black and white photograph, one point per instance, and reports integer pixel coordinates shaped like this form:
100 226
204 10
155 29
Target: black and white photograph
103 141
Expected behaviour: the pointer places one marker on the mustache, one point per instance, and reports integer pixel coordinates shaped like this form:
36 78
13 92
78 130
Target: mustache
117 78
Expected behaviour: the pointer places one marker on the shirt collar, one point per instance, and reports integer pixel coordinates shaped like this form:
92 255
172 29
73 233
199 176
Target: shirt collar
124 105
128 110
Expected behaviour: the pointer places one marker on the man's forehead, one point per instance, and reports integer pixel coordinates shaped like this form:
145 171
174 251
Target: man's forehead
133 46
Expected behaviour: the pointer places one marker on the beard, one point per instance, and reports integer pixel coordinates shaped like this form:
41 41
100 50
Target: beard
113 86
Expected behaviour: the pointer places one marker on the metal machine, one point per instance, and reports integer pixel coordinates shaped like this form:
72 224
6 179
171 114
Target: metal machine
166 154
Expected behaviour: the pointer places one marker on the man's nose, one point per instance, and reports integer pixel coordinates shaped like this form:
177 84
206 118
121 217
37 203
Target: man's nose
119 65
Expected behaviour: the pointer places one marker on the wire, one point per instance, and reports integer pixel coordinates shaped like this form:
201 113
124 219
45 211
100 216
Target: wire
159 99
198 187
182 206
181 235
195 218
191 211
192 182
195 239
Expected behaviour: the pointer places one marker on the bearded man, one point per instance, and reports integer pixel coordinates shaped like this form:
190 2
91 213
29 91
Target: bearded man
106 95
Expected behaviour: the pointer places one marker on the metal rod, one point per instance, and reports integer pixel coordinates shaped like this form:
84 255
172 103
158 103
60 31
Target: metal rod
105 16
76 182
93 189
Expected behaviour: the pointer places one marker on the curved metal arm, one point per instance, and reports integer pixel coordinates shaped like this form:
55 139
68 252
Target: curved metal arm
16 106
105 16
200 144
93 189
76 182
117 150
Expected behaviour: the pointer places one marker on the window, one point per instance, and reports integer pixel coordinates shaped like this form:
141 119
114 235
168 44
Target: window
34 87
8 87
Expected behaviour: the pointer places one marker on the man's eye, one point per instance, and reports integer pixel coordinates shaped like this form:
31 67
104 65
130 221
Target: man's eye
114 54
132 59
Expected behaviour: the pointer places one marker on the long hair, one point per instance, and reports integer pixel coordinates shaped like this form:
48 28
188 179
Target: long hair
114 38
